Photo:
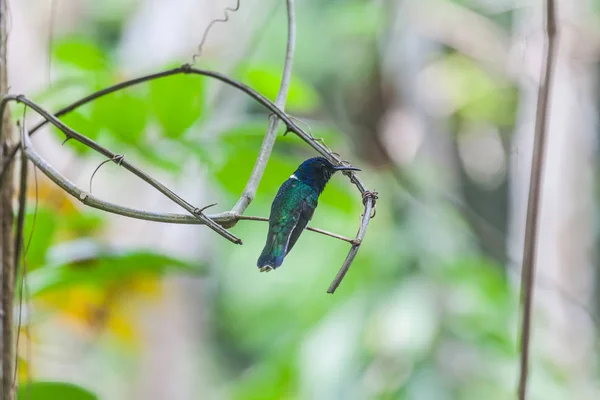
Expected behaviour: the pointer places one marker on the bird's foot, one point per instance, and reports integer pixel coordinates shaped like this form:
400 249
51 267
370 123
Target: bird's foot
266 268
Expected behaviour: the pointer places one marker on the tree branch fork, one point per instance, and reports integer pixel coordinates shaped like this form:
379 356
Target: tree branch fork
219 222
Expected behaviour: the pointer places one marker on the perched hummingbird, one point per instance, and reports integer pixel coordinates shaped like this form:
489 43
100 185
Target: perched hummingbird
293 207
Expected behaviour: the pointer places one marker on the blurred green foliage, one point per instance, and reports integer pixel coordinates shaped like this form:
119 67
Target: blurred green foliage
417 317
266 79
177 102
100 267
53 390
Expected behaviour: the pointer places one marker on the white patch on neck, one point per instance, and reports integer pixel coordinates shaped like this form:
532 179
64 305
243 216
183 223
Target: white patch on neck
293 176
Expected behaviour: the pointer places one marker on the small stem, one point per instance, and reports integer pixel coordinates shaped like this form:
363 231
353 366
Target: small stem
136 171
366 218
22 211
271 135
533 206
308 228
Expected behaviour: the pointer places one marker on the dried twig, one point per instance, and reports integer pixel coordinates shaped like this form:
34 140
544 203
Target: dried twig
317 230
369 201
22 205
210 25
70 133
19 245
533 206
226 219
116 159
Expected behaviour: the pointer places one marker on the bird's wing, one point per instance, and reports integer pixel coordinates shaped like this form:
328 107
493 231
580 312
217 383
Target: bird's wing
288 218
306 212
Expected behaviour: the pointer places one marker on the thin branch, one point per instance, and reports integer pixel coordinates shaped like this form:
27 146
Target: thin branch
18 248
271 135
317 230
94 202
226 219
22 206
533 206
25 291
116 159
70 133
366 218
88 199
187 69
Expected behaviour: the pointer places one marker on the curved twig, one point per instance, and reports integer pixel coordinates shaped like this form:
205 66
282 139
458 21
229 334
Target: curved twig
269 141
128 166
187 69
366 218
92 201
214 21
225 219
118 159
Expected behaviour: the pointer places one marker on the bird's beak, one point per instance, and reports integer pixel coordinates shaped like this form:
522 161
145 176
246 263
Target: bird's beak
345 168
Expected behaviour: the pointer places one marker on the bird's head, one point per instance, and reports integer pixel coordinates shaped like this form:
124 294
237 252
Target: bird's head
316 172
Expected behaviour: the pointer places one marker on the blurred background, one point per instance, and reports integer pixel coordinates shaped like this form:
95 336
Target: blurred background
434 99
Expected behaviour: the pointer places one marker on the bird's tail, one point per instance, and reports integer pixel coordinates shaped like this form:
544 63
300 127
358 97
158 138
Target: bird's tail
273 254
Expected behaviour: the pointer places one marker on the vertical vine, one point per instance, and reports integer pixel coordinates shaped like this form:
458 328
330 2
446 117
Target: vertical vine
7 270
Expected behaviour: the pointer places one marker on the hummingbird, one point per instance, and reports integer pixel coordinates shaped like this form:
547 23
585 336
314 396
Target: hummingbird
293 207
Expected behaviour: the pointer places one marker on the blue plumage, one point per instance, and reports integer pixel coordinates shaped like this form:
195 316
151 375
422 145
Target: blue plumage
293 207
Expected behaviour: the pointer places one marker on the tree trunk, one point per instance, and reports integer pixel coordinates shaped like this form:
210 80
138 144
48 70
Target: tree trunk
6 225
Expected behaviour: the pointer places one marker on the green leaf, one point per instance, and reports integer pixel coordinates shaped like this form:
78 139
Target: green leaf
53 390
80 53
266 80
84 262
123 114
177 102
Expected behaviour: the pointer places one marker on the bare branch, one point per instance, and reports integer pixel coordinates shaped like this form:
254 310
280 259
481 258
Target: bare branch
125 164
187 69
366 218
19 244
22 205
317 230
269 140
533 206
226 219
117 159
